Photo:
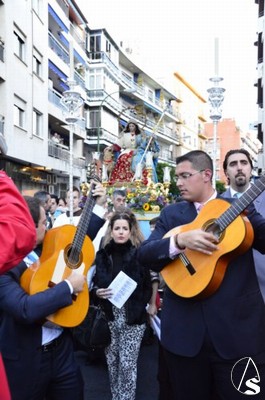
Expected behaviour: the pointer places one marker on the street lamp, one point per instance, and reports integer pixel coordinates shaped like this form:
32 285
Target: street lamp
100 109
72 101
216 99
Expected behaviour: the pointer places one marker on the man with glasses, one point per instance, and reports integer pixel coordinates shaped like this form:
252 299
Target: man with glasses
207 340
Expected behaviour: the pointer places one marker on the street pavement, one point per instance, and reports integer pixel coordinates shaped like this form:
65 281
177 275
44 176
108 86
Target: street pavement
95 374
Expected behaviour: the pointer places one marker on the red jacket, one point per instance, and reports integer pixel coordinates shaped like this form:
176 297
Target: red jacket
17 229
17 238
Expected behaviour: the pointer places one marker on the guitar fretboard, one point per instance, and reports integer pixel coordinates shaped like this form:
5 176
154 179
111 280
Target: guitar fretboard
241 204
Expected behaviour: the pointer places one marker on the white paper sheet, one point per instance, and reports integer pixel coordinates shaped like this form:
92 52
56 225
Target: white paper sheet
122 287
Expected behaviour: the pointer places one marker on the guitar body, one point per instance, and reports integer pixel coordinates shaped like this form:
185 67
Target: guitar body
194 274
55 267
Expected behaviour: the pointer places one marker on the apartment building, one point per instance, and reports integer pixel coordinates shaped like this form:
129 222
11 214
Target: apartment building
191 109
47 52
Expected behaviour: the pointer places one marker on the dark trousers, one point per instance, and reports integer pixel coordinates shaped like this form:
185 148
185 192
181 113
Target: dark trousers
207 376
59 377
165 391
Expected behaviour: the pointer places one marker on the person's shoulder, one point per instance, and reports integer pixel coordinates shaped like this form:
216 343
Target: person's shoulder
175 206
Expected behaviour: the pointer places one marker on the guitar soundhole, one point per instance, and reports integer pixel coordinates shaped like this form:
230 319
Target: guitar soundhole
213 227
72 258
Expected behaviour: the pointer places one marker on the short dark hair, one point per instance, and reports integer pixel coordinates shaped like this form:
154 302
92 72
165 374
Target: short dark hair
198 158
42 196
74 189
237 151
34 204
119 192
54 196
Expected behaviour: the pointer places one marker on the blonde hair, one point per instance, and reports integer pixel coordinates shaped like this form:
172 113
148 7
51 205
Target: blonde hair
136 235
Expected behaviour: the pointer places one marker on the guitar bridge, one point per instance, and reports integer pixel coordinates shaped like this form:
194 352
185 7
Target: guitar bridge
187 264
190 269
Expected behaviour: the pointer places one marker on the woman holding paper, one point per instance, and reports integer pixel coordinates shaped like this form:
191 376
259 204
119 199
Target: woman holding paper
127 318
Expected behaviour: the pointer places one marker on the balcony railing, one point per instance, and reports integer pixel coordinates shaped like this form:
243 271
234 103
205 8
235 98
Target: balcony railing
57 150
58 49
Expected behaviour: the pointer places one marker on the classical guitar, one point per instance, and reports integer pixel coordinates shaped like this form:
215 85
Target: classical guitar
65 248
193 274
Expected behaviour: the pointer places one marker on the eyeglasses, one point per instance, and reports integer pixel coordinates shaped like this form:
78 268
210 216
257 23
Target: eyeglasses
186 175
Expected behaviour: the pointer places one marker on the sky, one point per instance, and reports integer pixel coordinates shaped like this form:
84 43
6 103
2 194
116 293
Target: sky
180 36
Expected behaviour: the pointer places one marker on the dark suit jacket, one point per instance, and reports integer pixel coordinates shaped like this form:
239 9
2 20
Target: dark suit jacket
21 329
259 259
234 315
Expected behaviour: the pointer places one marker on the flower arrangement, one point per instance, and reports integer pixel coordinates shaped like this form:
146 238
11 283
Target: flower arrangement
153 197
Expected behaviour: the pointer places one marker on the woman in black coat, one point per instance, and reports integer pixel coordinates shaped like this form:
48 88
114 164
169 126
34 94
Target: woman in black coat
127 324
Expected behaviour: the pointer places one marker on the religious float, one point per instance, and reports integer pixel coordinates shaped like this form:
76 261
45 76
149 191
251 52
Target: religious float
144 196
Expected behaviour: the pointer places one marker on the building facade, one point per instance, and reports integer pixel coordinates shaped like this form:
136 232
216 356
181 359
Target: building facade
48 49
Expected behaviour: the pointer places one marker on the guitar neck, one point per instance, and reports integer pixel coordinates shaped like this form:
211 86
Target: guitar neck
82 227
241 204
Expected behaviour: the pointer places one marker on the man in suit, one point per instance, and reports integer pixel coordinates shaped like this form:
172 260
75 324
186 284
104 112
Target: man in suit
39 355
238 168
205 340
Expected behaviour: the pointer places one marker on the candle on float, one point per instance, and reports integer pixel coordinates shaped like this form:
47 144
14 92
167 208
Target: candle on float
166 177
149 159
138 171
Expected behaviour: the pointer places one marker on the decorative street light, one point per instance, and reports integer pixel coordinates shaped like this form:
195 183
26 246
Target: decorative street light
216 99
100 109
72 101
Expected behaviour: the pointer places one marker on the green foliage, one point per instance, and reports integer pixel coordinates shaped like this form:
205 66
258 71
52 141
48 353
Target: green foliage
220 187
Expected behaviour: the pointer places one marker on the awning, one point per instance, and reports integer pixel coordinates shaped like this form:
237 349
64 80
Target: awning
123 123
57 71
57 19
80 59
152 108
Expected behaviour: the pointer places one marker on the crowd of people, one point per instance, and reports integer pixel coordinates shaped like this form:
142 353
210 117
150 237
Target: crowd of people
207 340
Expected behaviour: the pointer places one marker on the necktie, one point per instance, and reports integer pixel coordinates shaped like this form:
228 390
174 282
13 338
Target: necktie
237 195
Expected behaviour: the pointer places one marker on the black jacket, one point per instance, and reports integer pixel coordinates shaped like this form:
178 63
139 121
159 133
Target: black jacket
135 306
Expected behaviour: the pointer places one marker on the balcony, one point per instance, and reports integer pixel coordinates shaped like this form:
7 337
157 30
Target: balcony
57 150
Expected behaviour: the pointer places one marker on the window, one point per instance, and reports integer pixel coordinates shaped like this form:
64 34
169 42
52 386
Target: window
19 117
37 123
37 63
95 47
150 95
19 112
20 45
93 119
95 79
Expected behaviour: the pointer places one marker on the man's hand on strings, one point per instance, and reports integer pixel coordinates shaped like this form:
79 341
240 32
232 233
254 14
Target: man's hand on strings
199 240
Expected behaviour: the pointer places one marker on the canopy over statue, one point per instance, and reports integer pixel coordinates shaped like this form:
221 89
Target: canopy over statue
129 155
